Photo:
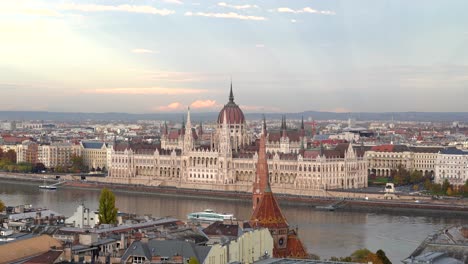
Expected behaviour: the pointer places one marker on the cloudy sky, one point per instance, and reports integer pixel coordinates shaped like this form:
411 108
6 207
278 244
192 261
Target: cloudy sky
144 56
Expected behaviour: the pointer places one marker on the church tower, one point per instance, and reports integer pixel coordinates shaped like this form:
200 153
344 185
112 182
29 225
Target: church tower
188 136
284 140
267 213
261 176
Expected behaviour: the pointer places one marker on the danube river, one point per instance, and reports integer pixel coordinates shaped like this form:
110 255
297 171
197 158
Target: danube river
323 233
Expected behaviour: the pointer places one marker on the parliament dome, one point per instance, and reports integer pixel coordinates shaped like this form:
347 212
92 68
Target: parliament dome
234 114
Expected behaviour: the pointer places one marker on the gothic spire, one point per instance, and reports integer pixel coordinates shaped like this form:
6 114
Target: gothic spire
302 123
183 123
231 95
283 127
264 124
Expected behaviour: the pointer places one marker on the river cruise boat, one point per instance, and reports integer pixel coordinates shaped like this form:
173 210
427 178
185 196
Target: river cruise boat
47 187
209 215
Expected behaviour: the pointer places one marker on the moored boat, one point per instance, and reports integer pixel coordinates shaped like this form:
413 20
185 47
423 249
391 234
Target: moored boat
209 215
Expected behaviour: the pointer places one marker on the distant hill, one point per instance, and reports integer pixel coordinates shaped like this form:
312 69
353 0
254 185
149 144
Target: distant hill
211 116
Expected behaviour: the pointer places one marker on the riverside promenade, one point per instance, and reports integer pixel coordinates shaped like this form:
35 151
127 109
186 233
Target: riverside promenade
344 200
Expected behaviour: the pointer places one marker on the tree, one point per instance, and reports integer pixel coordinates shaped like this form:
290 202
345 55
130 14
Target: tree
2 206
10 155
360 255
383 257
427 184
39 167
465 189
107 210
78 164
193 260
416 176
449 191
445 185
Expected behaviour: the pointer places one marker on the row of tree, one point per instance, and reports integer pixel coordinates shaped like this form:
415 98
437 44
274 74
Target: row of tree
404 177
9 163
365 256
446 188
9 155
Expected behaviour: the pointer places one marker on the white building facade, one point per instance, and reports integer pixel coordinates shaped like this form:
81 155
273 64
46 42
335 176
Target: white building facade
227 165
452 165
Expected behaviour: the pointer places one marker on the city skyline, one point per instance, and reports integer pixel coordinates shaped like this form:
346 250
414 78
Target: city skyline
162 56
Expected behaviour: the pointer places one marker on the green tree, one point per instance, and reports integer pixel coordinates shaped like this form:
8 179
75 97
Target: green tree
445 186
10 155
465 189
427 184
107 210
360 255
78 164
383 257
193 260
449 191
416 176
2 206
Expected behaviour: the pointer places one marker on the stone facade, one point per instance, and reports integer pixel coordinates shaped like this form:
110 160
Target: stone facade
226 165
385 159
95 154
57 154
452 164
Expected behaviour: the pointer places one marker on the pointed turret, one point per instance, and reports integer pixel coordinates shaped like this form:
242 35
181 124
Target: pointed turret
302 127
264 125
283 127
188 137
200 129
261 175
231 95
183 126
166 130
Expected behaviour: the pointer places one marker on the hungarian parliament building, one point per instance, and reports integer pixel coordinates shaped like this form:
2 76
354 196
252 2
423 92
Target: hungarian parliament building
226 159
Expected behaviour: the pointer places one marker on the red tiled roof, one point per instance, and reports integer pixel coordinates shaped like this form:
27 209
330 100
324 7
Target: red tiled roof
268 213
46 258
383 148
295 247
222 229
234 114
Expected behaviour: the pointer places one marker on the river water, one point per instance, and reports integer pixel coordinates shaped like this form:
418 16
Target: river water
323 233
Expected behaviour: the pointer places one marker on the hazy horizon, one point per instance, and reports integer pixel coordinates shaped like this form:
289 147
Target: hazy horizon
152 56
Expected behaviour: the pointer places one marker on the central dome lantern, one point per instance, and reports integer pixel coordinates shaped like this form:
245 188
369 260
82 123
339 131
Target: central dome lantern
234 114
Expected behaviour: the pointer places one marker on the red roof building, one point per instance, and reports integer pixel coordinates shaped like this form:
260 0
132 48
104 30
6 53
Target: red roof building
267 213
234 114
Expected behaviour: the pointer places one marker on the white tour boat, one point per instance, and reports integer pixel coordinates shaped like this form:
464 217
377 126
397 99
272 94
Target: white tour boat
209 215
47 187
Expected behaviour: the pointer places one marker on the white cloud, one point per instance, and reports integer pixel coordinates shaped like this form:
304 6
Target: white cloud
144 51
238 7
305 10
178 2
285 10
200 104
175 106
145 91
293 20
226 15
259 45
121 8
22 9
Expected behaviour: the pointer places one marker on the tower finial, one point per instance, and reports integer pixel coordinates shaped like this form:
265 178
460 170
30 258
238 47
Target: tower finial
302 123
264 124
231 95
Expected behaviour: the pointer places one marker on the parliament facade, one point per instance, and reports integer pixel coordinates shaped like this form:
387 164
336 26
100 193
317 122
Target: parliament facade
227 159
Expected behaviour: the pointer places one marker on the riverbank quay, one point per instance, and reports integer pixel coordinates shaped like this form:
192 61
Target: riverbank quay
347 201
